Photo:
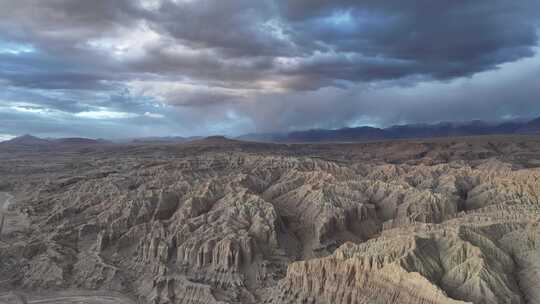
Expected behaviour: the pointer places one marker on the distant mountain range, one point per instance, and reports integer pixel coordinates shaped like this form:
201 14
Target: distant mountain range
31 142
165 139
411 131
358 134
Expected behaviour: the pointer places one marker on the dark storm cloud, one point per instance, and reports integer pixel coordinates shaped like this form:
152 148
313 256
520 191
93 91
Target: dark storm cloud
236 28
63 21
384 39
444 39
200 99
262 62
507 93
71 102
380 39
39 70
205 65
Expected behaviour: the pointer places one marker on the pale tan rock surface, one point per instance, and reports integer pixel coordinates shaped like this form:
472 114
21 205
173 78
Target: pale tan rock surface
217 221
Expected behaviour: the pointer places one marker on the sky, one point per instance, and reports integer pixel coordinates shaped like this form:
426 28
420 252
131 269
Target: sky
137 68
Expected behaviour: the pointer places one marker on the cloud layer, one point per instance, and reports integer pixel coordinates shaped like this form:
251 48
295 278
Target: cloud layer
166 67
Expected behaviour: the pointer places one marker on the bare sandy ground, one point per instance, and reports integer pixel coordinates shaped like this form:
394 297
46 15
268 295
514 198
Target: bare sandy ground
67 297
5 200
10 220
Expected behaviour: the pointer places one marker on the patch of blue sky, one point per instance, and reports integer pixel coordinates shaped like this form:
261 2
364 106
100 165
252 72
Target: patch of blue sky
340 18
354 22
14 48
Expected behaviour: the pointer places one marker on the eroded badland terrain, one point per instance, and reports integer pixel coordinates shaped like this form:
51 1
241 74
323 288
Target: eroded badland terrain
219 221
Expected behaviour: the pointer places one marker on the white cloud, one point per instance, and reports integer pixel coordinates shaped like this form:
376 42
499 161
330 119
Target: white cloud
153 115
15 48
151 5
30 109
104 114
4 137
127 42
